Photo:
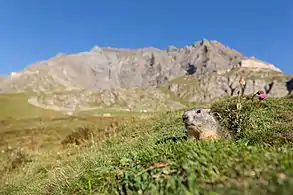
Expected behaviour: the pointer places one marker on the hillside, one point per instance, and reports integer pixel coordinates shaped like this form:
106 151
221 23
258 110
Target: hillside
152 156
198 73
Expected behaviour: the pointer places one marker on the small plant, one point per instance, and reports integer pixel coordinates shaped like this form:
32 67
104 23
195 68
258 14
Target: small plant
233 115
236 112
15 158
242 83
79 136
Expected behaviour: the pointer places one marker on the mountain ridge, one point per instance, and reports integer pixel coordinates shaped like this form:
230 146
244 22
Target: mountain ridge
201 68
201 55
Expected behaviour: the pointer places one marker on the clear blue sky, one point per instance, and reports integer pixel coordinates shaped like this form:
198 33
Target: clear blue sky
33 30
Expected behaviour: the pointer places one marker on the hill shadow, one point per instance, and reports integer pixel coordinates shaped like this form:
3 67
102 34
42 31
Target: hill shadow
289 86
191 69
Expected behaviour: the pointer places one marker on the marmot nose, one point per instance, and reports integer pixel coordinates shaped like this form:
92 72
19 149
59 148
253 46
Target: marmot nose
184 118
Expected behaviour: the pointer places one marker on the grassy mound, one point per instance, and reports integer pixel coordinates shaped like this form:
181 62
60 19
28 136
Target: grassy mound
268 122
152 156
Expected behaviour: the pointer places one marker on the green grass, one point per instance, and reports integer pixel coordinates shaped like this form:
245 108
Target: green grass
112 112
15 105
152 156
174 97
188 85
28 132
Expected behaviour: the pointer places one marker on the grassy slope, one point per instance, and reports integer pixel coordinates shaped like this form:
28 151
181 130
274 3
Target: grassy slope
149 156
16 106
112 112
114 101
28 132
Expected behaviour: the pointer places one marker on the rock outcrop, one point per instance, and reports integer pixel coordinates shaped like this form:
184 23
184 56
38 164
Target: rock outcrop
208 87
256 65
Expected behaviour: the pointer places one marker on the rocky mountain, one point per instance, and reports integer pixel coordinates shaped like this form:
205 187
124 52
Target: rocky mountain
2 78
199 72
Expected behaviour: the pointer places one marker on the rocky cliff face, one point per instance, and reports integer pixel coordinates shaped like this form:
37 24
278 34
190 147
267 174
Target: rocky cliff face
200 72
208 87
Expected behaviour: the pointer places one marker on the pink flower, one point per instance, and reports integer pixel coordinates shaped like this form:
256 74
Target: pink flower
262 97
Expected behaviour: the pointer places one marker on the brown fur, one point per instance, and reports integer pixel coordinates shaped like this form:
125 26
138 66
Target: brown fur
205 134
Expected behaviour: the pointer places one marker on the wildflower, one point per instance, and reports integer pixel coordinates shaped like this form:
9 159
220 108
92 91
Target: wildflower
261 95
238 106
242 82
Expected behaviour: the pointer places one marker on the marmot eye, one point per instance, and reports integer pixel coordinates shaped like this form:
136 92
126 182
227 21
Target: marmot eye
199 111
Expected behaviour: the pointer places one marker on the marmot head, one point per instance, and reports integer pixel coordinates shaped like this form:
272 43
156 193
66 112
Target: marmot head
189 116
200 123
198 117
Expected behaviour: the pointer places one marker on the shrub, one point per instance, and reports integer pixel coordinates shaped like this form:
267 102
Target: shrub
14 159
79 136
